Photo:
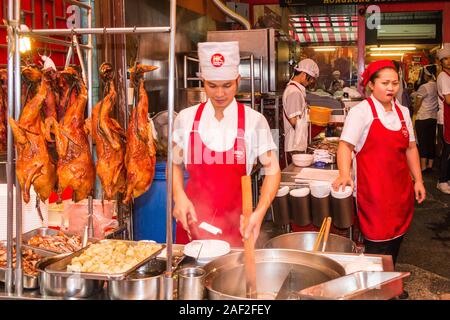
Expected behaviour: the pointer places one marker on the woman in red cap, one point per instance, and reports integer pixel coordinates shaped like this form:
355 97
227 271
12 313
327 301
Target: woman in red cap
379 131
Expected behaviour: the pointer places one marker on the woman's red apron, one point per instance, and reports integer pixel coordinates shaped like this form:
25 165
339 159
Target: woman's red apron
446 107
385 192
214 184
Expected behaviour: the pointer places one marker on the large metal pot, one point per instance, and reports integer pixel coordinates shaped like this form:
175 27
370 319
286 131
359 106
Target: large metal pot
188 97
305 241
146 283
225 278
67 287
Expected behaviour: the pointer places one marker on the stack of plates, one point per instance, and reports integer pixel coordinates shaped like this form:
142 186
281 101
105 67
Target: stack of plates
30 216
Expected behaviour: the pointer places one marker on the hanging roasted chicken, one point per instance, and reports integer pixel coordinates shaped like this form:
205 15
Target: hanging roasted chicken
31 80
34 166
75 167
67 94
51 102
3 109
140 156
109 137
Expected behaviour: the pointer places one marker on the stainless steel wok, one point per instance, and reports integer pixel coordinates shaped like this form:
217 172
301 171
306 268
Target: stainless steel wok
225 276
305 241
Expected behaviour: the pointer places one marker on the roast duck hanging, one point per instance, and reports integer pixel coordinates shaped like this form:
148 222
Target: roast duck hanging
75 168
140 156
34 166
109 138
3 109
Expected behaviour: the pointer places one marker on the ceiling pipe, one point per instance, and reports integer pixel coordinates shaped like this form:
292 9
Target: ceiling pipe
233 15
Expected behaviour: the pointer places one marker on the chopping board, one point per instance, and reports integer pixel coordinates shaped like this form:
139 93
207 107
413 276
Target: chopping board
317 174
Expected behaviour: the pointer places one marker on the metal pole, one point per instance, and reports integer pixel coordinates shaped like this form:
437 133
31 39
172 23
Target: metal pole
261 81
10 157
89 84
17 83
185 70
55 41
168 275
62 32
252 80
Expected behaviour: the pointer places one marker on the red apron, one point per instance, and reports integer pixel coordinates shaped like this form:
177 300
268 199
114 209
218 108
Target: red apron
214 184
385 192
446 108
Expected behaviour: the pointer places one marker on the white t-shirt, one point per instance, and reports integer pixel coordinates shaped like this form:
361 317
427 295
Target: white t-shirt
220 135
443 87
429 107
359 119
294 104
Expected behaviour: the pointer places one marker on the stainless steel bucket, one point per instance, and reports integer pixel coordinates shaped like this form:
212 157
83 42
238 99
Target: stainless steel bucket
305 241
146 283
67 287
225 276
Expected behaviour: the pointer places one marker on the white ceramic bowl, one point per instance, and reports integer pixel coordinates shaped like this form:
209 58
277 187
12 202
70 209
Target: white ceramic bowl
320 189
302 160
206 250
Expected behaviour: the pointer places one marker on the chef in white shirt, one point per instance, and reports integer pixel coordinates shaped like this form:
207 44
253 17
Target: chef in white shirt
294 106
380 132
218 142
443 87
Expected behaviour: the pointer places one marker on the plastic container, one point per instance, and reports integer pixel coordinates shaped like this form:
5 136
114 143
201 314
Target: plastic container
280 206
150 209
299 200
342 207
319 116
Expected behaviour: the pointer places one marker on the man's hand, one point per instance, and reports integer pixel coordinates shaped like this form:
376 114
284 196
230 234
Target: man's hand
342 181
253 226
184 212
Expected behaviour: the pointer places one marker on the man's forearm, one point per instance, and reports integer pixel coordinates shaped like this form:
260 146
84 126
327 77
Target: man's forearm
344 159
269 189
412 157
178 183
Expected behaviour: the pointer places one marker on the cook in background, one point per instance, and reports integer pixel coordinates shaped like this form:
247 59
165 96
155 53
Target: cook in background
218 142
426 107
294 107
337 84
380 132
443 87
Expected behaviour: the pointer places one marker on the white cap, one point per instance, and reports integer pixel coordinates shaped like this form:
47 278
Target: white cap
219 60
444 52
308 66
336 72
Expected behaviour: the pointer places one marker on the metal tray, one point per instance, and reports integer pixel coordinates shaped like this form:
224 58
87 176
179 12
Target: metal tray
47 232
29 281
60 267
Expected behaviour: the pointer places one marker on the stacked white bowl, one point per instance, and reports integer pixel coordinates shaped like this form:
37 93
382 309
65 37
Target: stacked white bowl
302 159
342 193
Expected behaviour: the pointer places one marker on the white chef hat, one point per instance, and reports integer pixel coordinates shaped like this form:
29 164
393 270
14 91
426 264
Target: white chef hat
219 60
444 52
336 72
308 66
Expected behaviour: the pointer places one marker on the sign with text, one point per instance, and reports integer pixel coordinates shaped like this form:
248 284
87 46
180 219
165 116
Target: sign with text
287 3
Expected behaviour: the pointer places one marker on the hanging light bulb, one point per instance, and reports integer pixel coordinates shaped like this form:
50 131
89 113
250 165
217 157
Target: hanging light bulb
25 44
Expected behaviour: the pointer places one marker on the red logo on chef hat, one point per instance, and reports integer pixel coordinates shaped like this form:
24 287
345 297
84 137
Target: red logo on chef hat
217 60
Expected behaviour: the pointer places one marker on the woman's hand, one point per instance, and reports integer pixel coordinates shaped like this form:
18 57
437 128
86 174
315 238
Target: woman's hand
253 226
184 212
419 190
342 181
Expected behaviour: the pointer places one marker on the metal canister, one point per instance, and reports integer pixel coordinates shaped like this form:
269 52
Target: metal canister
191 283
